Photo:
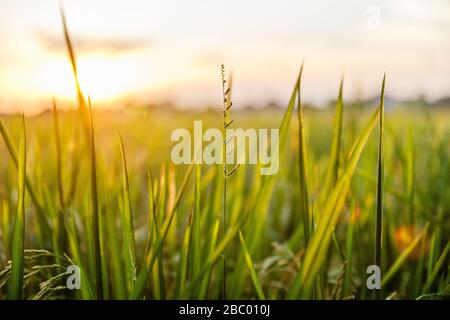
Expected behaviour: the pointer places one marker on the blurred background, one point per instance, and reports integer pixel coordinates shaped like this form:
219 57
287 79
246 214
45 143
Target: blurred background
170 52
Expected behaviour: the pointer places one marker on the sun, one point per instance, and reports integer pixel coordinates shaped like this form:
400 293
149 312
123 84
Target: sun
102 77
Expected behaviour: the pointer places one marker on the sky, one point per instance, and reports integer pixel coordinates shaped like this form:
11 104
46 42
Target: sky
170 51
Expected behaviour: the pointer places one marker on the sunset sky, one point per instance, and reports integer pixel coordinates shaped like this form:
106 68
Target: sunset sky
159 51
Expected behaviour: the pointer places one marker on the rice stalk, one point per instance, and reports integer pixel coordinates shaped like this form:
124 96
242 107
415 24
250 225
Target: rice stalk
60 232
150 258
82 107
317 248
196 235
334 160
127 218
184 258
43 222
380 190
258 202
226 151
303 183
58 155
346 286
15 284
95 227
251 269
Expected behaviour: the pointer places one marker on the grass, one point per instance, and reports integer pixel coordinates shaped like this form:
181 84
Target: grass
251 269
317 248
303 183
95 253
139 227
261 207
127 222
380 189
15 283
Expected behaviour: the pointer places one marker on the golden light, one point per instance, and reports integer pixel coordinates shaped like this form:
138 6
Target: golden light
102 77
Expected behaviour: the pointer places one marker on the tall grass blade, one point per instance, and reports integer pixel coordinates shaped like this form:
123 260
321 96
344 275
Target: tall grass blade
346 286
303 185
437 268
212 259
127 215
143 275
402 258
251 269
333 163
196 235
209 250
95 228
258 203
15 285
82 108
87 291
60 234
43 222
58 155
380 190
184 258
317 248
114 246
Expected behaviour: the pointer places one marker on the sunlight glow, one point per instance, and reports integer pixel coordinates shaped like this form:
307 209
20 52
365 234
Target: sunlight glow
102 77
154 52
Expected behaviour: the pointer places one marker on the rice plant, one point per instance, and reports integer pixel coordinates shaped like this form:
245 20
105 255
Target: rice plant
138 226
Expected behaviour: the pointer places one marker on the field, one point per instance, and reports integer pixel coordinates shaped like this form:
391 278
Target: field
110 201
92 205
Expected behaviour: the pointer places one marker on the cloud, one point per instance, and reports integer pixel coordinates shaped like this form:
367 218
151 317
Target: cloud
433 12
85 44
208 58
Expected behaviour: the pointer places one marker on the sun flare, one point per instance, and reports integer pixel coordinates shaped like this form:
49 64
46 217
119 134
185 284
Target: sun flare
102 77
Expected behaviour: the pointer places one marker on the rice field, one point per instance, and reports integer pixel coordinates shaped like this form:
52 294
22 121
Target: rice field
97 189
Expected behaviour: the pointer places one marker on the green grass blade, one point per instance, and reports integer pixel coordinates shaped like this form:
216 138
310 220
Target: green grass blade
380 190
333 163
60 234
5 226
303 183
95 210
210 247
212 259
143 275
129 241
58 155
81 100
113 235
184 258
87 292
43 222
159 290
402 258
251 269
317 248
152 212
259 201
196 253
286 120
437 268
15 285
346 286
